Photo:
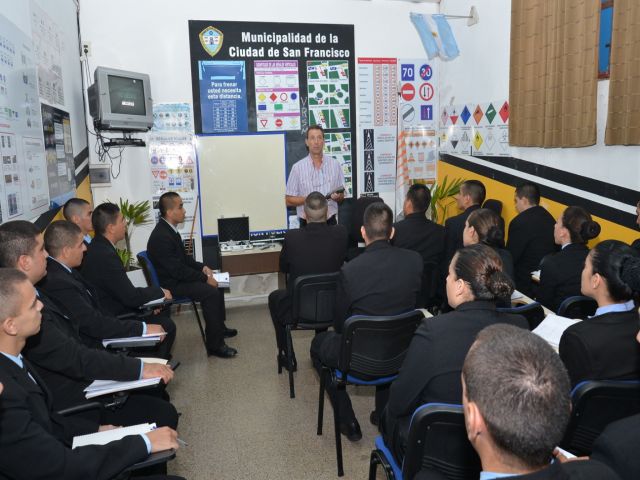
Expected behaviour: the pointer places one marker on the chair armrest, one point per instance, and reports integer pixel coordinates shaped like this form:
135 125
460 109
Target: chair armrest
83 407
153 459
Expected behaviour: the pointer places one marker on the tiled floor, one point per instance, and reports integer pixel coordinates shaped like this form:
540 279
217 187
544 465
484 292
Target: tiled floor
237 415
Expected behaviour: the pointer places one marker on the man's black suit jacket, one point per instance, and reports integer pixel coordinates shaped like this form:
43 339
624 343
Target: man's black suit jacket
530 239
173 265
421 235
315 248
65 364
75 295
431 370
454 228
34 439
103 268
603 347
560 275
383 280
617 447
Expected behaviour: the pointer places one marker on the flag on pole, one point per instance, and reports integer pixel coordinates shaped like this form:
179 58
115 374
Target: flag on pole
436 35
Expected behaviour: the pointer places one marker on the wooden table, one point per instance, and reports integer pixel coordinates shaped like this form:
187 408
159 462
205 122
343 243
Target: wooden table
251 262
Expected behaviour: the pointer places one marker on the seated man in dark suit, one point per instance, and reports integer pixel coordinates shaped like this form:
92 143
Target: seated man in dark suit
72 293
384 280
34 440
186 277
416 232
471 196
78 211
316 248
64 363
530 236
516 406
104 270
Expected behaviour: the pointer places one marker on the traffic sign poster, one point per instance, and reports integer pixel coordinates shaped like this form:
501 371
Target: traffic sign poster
418 100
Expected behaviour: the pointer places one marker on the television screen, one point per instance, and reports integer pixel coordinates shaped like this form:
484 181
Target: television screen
126 95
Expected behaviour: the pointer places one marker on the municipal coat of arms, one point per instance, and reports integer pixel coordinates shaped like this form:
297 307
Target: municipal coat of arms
211 40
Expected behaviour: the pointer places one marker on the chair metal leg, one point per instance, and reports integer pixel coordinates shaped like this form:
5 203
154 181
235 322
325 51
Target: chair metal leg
336 427
373 465
195 309
323 375
292 392
378 458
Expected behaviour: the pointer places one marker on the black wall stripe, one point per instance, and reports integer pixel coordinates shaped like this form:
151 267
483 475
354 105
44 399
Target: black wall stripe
45 219
603 211
77 161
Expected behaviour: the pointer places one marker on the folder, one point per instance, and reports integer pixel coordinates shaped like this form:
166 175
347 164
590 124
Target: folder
105 387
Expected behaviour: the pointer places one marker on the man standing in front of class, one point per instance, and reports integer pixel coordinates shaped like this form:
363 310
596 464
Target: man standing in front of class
316 172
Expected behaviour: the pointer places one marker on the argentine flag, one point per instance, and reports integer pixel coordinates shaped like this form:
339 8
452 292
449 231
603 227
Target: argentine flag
436 35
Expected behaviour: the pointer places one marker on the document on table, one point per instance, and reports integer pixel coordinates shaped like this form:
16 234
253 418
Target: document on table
102 438
552 328
222 278
146 340
104 387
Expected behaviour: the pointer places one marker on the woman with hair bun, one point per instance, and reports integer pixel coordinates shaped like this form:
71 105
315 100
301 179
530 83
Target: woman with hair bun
432 367
560 272
604 347
484 226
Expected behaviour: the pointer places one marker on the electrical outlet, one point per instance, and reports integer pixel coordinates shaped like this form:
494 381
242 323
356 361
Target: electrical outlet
86 49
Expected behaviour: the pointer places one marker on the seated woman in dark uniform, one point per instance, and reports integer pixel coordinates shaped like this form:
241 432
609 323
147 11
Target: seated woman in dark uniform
431 369
560 272
484 226
604 346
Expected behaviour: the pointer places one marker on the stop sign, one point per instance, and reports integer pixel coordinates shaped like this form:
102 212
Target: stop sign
408 91
278 122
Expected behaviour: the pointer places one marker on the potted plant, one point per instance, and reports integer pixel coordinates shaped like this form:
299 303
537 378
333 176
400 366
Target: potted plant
442 197
138 213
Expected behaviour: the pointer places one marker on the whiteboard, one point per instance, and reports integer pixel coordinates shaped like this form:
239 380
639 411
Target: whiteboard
242 175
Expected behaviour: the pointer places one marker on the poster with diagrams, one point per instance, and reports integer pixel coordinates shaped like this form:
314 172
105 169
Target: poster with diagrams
480 129
328 93
277 95
172 162
223 105
56 125
24 189
172 117
378 112
338 146
48 49
421 150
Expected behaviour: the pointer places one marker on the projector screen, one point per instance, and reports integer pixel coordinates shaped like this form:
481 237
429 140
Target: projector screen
242 175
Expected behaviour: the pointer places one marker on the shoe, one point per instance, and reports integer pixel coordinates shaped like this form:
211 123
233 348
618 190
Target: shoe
225 351
351 430
374 418
282 363
230 332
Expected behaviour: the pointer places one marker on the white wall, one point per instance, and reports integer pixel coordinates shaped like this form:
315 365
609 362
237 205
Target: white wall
152 36
481 73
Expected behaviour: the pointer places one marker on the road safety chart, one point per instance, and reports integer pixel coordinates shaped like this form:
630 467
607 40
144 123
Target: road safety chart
378 113
48 49
328 93
475 129
277 95
338 145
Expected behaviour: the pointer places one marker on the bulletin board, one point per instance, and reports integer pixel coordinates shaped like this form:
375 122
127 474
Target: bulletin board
242 175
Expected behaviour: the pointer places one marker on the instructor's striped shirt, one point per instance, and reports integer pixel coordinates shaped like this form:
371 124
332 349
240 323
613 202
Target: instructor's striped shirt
305 178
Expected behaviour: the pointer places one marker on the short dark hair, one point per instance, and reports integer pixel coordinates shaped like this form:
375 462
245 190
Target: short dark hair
487 225
17 238
73 207
419 196
314 127
165 202
378 221
475 189
10 278
619 265
481 268
315 207
580 225
530 191
104 215
521 389
60 234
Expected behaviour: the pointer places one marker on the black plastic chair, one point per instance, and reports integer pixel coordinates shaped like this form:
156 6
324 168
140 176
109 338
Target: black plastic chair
595 405
578 306
533 312
313 306
152 279
437 441
372 351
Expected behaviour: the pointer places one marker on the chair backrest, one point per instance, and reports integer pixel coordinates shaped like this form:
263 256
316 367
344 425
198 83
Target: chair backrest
533 312
438 441
577 306
428 296
314 298
375 346
595 405
149 270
